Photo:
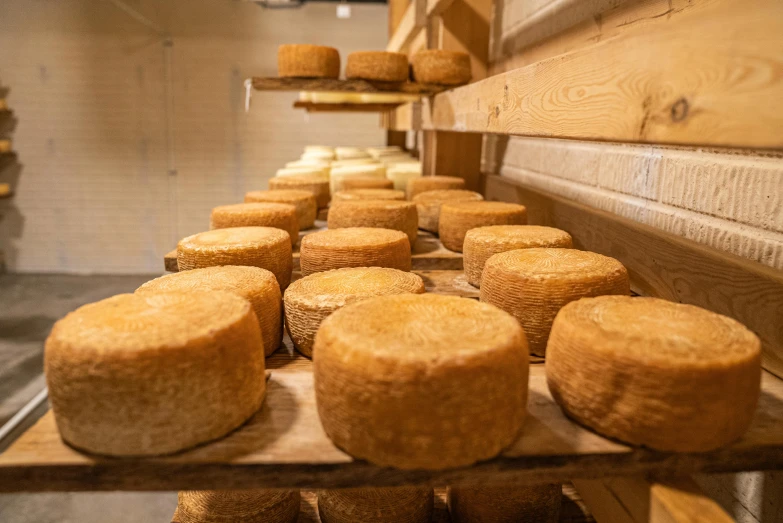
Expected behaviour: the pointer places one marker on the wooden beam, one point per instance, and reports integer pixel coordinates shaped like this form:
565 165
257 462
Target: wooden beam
437 7
397 10
313 107
348 86
413 21
405 117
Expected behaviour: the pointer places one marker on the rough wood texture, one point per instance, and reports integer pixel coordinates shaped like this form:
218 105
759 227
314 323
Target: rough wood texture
349 86
312 107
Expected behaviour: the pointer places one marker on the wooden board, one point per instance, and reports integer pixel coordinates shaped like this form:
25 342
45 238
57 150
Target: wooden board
313 107
348 86
413 21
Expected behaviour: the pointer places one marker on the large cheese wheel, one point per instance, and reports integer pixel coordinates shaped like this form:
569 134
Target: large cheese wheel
376 505
246 506
366 182
401 172
651 372
338 174
385 214
316 184
437 66
368 194
421 381
428 205
149 374
354 247
263 247
457 218
534 284
304 201
308 61
310 300
505 503
278 215
256 285
433 183
382 66
482 242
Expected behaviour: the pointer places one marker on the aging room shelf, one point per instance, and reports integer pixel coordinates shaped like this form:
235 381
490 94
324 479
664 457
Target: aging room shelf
313 107
346 86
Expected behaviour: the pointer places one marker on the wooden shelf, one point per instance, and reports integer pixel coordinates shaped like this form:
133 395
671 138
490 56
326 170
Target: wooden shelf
347 86
413 22
313 107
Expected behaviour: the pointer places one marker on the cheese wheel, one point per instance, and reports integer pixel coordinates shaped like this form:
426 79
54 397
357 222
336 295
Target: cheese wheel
369 194
421 381
386 149
428 205
376 505
309 163
351 153
310 300
364 182
457 218
436 66
279 215
482 242
534 284
319 169
317 155
400 173
433 183
338 174
247 506
505 503
263 247
689 378
354 161
256 285
304 201
151 374
384 214
354 247
316 184
307 61
381 66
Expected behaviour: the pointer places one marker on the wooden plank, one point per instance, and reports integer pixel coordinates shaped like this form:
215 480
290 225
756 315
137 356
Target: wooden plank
312 107
348 86
437 7
397 10
405 117
413 21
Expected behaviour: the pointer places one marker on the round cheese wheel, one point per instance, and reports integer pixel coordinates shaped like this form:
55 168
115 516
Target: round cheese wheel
151 374
310 300
317 169
369 194
376 505
351 153
482 242
338 174
354 247
247 506
256 285
383 214
354 161
534 284
382 66
506 503
307 61
386 149
262 247
316 184
433 183
304 201
367 182
428 205
278 215
457 218
315 154
689 378
436 66
375 361
401 172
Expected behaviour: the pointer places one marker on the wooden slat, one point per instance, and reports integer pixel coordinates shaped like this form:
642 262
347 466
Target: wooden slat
348 86
437 7
412 23
312 107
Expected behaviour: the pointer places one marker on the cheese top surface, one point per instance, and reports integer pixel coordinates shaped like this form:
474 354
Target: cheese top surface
235 237
354 281
353 237
557 263
237 278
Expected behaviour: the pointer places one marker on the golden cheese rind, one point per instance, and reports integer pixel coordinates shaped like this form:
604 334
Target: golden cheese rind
432 183
318 185
279 215
367 182
369 194
308 61
304 201
354 247
376 505
437 66
381 66
247 506
428 205
457 218
384 214
491 504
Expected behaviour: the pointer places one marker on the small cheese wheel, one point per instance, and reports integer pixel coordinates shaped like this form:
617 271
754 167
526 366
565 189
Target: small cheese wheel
377 361
368 194
247 506
307 61
366 182
256 285
381 66
338 174
354 247
310 300
151 374
384 214
304 201
263 247
316 184
689 378
433 183
482 242
376 505
319 169
436 66
279 215
499 504
457 218
401 172
534 284
428 205
351 153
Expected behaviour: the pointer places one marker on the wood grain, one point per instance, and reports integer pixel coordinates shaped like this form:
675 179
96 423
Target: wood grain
348 86
312 107
412 23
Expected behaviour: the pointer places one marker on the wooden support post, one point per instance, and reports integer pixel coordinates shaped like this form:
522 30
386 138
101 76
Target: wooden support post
397 138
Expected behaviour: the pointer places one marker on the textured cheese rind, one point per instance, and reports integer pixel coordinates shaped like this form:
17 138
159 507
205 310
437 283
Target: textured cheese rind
376 505
354 247
457 218
368 194
366 182
421 381
382 66
338 174
310 300
437 66
279 215
308 61
433 183
304 201
263 247
246 506
385 214
534 284
152 374
428 205
689 378
505 503
483 242
316 184
256 285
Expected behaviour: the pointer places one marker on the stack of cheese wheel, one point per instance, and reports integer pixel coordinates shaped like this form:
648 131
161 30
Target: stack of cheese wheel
338 174
350 153
367 182
278 215
381 66
354 247
400 172
539 503
437 66
534 284
483 242
310 300
315 184
457 218
368 194
375 361
690 378
383 214
308 61
304 201
150 374
258 286
263 247
247 506
428 205
433 183
317 169
376 505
